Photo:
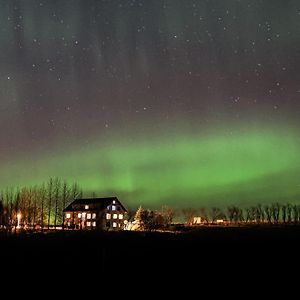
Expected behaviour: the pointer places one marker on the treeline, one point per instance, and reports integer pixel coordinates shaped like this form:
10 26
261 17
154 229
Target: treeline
38 206
274 213
269 213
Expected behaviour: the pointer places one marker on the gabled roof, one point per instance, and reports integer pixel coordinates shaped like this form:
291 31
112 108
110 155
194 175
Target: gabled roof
101 203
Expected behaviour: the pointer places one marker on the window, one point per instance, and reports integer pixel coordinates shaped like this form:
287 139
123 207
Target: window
113 207
114 201
114 224
86 207
93 216
108 216
94 224
115 216
79 215
120 216
88 224
68 216
88 216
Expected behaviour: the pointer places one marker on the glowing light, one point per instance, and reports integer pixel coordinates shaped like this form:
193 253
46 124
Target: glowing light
19 216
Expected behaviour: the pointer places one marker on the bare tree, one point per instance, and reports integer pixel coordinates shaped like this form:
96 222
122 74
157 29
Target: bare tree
216 214
56 192
268 213
168 214
289 213
204 214
50 192
65 195
284 212
189 214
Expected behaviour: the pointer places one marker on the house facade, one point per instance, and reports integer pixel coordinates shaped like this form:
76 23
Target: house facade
95 213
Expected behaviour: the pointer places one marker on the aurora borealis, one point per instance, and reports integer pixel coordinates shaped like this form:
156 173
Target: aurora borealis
185 103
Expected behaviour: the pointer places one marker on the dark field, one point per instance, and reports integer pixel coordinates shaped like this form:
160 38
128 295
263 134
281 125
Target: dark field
214 252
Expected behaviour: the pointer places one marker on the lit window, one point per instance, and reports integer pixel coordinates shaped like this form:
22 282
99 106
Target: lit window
115 216
83 216
86 207
79 215
108 216
120 216
114 202
93 216
88 216
113 207
68 216
114 224
94 224
88 224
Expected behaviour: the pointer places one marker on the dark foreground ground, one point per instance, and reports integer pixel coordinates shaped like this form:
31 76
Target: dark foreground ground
204 252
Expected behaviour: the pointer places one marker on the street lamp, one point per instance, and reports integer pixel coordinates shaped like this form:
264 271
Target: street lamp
19 219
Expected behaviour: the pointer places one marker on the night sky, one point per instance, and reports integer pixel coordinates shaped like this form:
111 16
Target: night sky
178 102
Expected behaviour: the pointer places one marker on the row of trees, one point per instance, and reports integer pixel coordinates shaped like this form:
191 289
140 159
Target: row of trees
145 219
271 213
37 206
274 213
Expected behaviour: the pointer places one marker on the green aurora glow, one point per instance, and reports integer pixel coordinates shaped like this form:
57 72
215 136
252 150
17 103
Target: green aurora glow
180 168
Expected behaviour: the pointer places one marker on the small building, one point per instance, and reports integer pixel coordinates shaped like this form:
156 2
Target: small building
95 213
197 220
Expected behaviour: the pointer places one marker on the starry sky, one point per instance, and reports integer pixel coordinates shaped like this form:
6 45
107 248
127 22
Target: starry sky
184 103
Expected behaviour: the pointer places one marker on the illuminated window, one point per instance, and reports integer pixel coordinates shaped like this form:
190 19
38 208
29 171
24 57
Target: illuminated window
88 216
68 216
79 215
86 207
94 224
88 224
115 216
114 202
93 216
120 216
114 224
113 207
108 216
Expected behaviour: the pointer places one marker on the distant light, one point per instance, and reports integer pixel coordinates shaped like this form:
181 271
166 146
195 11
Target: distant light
68 216
86 207
19 219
